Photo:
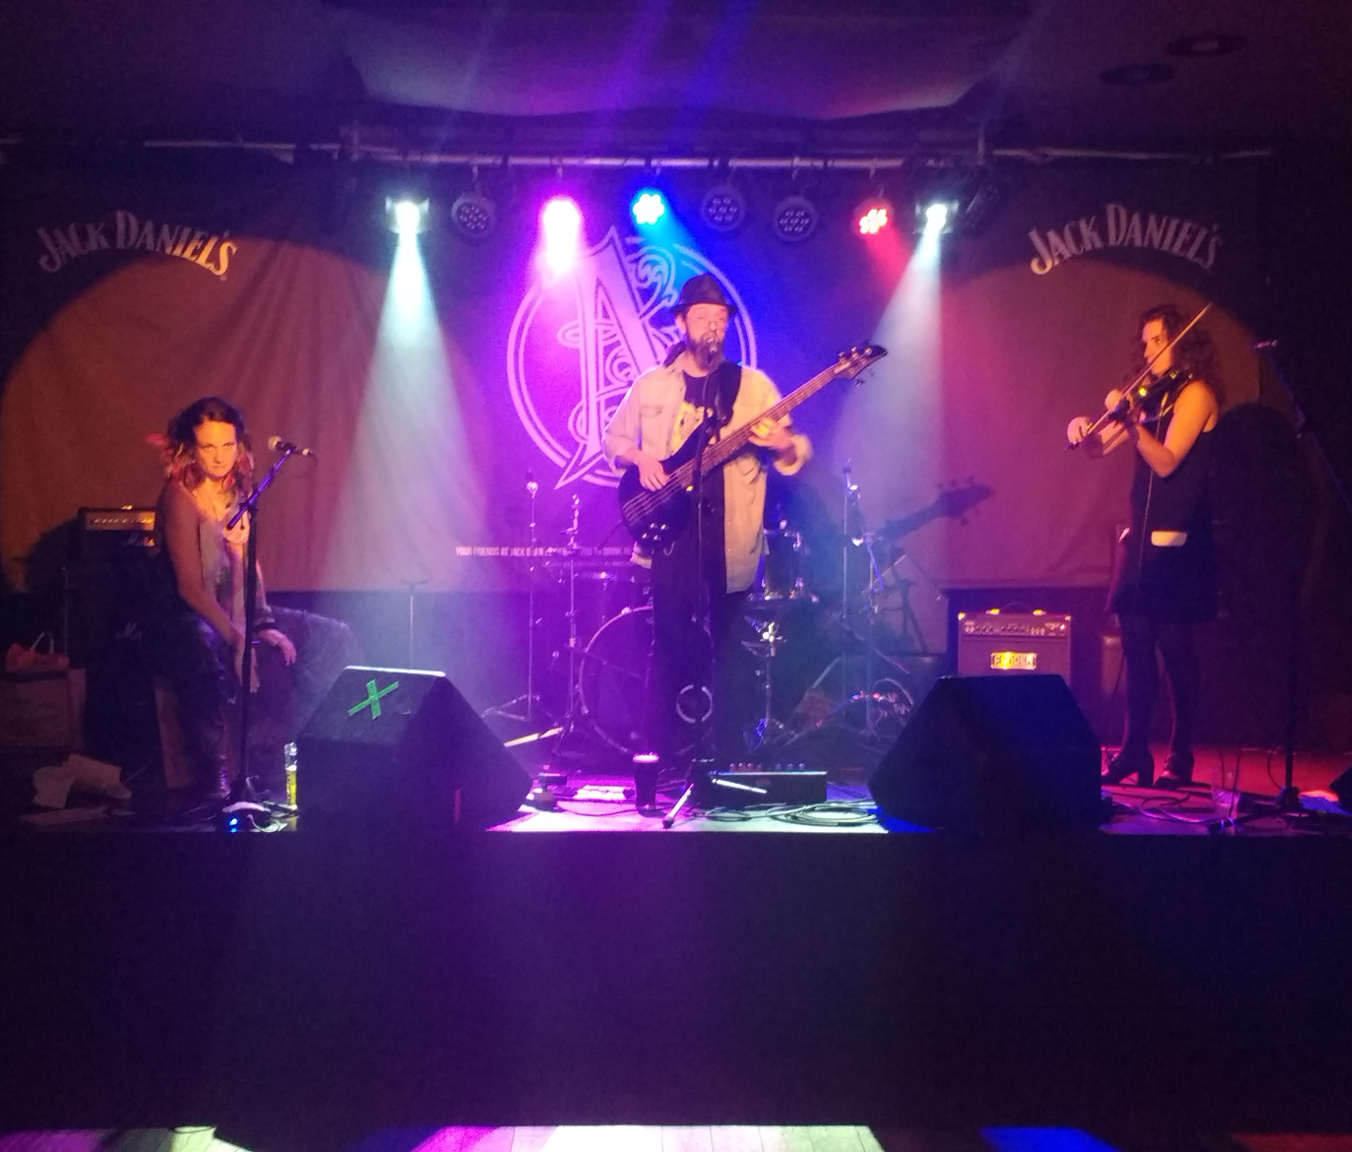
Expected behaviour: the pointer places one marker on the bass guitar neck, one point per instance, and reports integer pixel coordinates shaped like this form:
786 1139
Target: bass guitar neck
656 517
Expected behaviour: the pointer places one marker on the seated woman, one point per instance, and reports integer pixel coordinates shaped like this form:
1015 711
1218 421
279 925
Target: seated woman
200 642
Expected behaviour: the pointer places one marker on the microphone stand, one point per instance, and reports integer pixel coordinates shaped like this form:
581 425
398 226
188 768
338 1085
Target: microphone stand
242 804
704 734
1288 799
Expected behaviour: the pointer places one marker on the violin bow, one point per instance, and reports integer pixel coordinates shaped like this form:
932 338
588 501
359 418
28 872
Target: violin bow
1112 413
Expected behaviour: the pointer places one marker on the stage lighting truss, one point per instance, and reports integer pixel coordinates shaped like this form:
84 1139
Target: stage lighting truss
794 218
474 215
723 207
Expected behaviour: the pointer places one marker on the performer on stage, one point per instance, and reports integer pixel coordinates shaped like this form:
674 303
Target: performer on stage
662 408
1164 580
200 643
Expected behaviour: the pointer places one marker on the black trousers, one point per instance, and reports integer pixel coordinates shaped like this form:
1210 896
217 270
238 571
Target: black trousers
698 680
1142 638
198 665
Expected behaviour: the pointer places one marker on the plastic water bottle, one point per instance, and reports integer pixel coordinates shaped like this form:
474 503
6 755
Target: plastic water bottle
289 758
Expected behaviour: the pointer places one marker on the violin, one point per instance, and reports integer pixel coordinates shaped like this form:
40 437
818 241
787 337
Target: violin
1144 390
1149 395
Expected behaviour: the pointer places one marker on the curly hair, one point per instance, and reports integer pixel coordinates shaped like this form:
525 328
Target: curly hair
1195 353
179 443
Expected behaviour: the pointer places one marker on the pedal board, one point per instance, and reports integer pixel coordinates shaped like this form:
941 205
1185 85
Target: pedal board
745 785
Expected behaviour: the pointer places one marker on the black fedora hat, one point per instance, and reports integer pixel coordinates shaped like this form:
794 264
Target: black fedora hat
703 289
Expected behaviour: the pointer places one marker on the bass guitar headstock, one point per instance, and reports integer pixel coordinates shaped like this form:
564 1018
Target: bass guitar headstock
854 361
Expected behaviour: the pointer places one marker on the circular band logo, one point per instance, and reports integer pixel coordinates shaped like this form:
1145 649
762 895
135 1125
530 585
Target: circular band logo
578 341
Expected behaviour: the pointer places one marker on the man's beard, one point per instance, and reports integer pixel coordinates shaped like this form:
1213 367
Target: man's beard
707 351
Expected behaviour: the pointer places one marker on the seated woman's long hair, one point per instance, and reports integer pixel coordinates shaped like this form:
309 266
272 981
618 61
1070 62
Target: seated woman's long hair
180 441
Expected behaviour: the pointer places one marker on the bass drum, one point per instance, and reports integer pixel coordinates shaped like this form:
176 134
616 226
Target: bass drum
614 678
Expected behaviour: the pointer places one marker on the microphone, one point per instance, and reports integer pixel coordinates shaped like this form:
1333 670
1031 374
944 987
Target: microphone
1263 345
277 444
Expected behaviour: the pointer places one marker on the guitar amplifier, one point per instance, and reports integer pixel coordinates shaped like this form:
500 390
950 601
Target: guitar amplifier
999 643
115 533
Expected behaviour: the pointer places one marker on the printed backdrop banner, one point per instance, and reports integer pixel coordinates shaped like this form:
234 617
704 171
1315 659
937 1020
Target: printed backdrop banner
439 381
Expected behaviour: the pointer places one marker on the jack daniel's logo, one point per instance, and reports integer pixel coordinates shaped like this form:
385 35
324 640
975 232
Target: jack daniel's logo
122 231
1121 227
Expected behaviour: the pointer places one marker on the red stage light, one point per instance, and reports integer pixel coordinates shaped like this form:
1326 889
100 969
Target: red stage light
872 216
873 221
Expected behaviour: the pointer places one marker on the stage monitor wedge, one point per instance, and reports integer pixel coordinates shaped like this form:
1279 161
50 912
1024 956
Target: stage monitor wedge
1342 788
391 748
994 754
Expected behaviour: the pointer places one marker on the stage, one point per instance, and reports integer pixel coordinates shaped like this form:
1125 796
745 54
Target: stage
297 988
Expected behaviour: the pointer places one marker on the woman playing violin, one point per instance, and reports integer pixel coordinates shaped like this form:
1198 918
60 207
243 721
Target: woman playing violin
1164 581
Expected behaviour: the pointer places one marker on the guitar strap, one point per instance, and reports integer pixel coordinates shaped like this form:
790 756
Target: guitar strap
727 382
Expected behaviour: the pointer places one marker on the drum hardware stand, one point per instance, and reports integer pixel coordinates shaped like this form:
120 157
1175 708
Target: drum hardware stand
768 730
568 725
877 705
550 776
527 708
412 586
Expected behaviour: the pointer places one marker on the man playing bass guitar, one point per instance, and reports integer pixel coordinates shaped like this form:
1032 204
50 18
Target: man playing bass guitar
711 561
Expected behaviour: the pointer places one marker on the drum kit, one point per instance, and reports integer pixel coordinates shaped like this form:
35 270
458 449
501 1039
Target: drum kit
600 646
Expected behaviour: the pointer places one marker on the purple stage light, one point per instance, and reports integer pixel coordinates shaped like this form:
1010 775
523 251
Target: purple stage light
561 229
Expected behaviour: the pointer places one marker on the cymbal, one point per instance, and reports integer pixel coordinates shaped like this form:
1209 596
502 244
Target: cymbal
629 574
774 605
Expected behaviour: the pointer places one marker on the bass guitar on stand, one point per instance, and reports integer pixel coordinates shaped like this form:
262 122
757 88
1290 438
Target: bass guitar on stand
656 517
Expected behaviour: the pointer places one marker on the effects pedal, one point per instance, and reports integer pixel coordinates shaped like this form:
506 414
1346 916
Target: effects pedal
746 785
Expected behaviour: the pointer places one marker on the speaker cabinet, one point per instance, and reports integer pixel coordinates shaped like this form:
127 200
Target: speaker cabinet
988 754
392 748
1342 788
111 609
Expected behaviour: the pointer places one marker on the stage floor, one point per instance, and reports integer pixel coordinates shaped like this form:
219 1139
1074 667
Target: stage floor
388 977
1228 782
739 1138
597 797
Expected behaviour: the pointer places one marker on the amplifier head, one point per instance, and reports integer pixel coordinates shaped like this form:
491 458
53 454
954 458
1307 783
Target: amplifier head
996 643
112 533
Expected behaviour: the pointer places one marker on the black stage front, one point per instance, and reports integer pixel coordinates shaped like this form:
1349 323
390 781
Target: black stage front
293 983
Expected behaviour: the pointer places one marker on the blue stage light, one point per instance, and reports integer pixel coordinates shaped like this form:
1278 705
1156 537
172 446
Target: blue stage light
648 207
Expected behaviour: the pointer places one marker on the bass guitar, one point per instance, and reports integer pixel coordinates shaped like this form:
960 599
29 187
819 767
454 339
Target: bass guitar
656 517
